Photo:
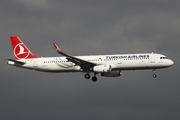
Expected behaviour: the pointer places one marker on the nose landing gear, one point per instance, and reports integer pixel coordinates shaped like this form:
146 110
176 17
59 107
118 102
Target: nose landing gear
154 75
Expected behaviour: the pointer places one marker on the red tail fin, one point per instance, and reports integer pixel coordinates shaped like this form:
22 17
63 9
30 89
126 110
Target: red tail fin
20 49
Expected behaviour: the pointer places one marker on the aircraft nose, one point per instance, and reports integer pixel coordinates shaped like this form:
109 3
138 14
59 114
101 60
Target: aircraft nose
171 62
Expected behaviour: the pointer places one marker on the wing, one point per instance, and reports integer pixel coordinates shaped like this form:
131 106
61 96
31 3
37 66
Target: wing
77 61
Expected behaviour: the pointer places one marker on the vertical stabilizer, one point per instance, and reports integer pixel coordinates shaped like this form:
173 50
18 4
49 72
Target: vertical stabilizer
20 50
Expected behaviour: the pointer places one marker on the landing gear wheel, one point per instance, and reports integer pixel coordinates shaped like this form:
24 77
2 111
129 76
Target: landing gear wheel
94 79
154 75
87 76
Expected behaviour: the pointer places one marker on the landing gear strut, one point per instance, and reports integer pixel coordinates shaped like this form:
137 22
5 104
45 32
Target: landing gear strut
154 75
94 78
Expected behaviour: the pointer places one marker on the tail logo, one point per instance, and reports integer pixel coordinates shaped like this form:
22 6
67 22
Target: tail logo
20 51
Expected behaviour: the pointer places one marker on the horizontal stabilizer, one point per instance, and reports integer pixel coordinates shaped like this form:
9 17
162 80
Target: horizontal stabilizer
15 62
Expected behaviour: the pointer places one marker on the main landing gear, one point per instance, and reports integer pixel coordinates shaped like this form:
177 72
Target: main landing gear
94 78
154 75
87 76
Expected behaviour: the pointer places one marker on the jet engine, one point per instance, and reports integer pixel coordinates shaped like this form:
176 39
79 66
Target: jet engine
102 68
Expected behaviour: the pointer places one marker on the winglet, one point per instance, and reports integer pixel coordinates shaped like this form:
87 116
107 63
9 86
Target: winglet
57 48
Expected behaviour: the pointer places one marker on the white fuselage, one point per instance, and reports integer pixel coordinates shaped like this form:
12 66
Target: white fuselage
117 62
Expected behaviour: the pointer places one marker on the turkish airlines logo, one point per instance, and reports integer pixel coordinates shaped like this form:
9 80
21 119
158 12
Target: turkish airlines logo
20 51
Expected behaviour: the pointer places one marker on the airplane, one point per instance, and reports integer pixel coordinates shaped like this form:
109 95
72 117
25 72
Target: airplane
106 65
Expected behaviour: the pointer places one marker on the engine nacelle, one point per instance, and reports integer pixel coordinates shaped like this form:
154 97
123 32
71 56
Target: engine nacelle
111 74
102 68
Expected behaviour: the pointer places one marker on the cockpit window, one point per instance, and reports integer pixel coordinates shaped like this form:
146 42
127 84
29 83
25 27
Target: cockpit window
163 57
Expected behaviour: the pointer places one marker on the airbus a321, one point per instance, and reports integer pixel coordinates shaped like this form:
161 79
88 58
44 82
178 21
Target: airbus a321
106 65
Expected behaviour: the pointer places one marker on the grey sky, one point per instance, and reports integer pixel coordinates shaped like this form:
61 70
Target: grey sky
84 27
